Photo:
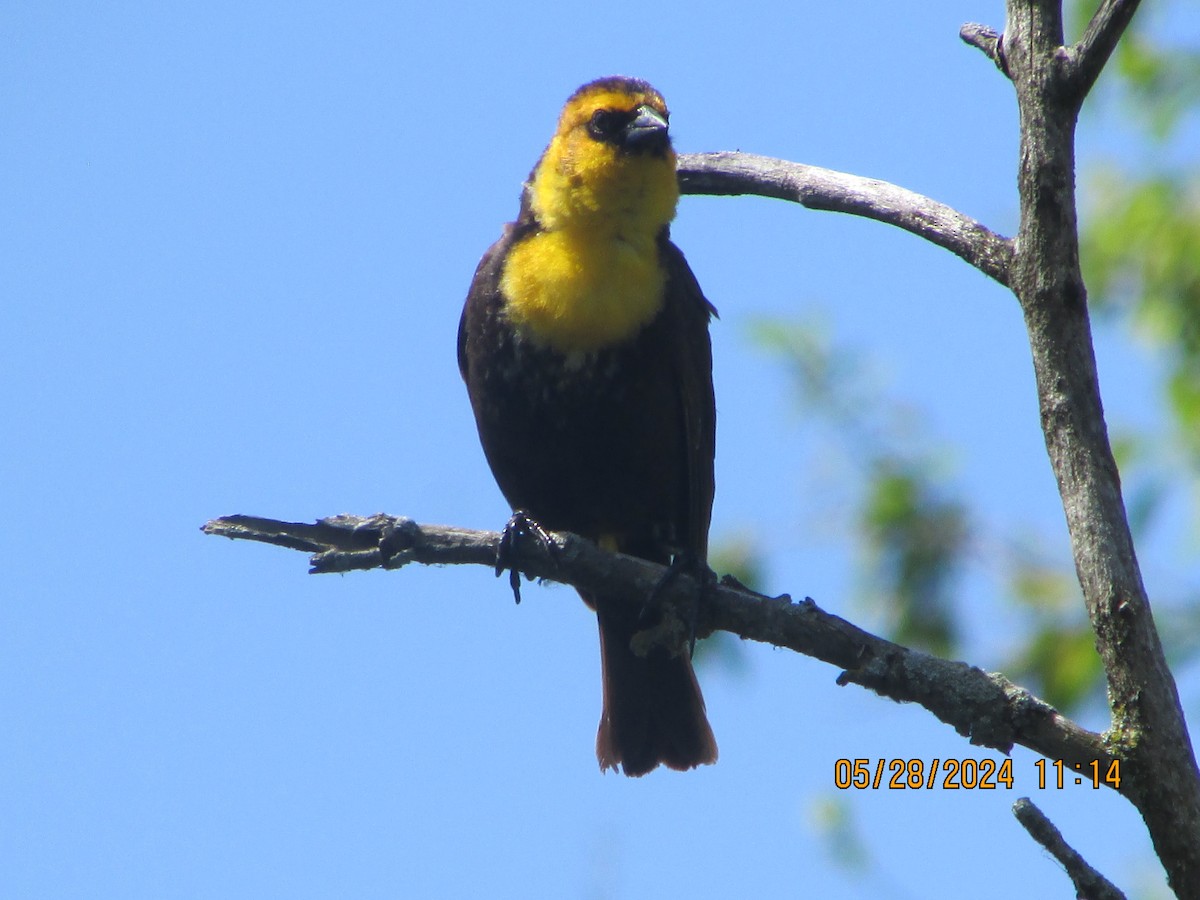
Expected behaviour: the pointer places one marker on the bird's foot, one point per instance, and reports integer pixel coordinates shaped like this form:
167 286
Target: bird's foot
519 526
681 564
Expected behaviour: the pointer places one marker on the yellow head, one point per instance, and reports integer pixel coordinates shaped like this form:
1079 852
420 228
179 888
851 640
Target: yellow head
610 164
589 274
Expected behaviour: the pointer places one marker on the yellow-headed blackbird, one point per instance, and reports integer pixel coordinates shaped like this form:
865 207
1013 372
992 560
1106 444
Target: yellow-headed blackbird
584 346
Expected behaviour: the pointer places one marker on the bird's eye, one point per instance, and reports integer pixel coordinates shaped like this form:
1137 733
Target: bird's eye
604 124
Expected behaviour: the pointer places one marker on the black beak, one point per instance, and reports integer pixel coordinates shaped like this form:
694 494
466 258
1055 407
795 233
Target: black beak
648 130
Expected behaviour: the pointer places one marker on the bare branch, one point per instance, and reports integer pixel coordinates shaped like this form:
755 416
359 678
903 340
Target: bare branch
988 40
1089 56
1089 884
824 189
350 543
986 708
1161 777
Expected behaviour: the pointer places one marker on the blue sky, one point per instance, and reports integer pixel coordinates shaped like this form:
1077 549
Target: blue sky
236 239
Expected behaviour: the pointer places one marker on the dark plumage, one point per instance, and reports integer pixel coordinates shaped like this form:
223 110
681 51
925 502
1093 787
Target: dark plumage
610 436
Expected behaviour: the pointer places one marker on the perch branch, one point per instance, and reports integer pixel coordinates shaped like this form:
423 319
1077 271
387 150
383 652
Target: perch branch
824 189
986 708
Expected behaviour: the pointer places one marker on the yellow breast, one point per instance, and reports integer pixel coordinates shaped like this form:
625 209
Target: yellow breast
576 292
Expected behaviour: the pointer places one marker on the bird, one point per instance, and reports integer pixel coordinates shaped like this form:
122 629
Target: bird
584 345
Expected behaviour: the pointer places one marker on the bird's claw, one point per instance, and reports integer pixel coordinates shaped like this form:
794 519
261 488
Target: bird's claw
680 564
519 526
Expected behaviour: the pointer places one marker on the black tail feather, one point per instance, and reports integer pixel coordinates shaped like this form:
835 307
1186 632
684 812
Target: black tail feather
653 709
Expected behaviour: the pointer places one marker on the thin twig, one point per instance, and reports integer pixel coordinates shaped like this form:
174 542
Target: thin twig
1088 57
987 40
1089 884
